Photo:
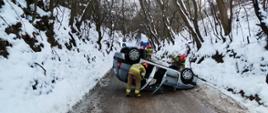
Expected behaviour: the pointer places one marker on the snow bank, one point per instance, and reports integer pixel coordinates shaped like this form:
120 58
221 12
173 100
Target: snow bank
242 73
53 80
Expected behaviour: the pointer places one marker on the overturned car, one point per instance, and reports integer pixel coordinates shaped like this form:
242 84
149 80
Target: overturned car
157 75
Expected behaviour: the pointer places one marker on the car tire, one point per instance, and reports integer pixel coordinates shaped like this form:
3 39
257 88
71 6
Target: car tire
187 76
133 55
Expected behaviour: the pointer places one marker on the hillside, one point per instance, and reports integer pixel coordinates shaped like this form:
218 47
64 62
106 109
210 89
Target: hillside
238 67
46 68
47 64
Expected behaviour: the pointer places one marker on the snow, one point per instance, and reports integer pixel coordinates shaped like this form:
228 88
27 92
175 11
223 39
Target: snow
231 73
53 80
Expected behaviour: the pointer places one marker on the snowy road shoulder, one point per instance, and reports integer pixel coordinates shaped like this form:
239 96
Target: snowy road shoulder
211 96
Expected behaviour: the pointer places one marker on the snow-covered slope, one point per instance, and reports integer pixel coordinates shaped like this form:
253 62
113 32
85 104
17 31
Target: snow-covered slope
39 78
239 68
42 75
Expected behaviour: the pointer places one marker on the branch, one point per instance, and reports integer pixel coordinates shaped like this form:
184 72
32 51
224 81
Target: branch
45 71
260 16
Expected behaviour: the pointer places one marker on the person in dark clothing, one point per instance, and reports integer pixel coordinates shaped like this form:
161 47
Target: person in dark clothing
179 61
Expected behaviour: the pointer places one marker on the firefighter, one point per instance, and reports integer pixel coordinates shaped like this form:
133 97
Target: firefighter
136 73
179 61
149 52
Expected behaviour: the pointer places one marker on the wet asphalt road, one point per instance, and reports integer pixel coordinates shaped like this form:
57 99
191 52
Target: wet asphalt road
108 97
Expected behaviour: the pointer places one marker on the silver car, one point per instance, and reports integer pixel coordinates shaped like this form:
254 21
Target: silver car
157 75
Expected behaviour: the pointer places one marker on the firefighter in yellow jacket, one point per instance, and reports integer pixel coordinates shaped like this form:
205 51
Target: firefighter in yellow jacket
137 73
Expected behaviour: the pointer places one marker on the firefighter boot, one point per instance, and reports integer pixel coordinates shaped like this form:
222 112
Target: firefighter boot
137 93
128 92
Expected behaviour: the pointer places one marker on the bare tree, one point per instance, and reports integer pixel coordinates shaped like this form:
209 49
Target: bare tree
261 17
264 4
51 6
98 17
31 10
166 20
149 21
196 19
191 25
73 11
111 21
123 18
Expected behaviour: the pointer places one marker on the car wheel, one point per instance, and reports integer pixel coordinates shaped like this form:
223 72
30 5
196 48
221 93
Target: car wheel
133 55
187 76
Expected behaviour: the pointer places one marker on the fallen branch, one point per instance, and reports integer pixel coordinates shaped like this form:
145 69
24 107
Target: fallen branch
4 20
45 71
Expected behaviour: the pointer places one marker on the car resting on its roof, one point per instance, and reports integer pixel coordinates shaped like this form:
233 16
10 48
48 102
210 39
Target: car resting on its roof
157 75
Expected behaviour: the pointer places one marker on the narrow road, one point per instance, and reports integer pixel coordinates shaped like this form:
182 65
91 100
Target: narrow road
108 97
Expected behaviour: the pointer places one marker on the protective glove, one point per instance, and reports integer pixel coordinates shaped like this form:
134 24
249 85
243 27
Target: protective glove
142 74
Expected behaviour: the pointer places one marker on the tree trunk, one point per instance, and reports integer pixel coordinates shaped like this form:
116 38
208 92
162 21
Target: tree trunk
98 28
73 11
195 21
226 21
260 16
